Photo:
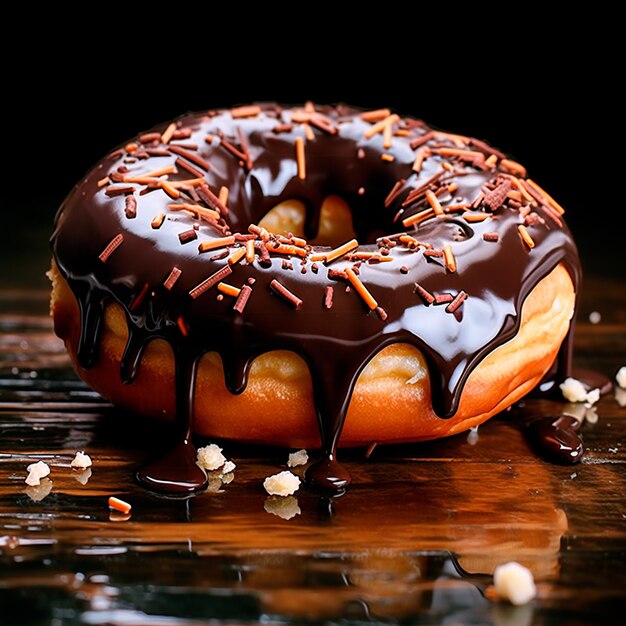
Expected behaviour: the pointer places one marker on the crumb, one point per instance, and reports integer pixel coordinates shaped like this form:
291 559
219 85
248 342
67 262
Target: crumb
514 582
228 468
574 391
282 484
81 461
298 458
37 471
620 377
210 457
227 478
286 507
595 317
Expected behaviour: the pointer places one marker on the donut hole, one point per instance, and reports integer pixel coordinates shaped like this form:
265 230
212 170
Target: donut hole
335 226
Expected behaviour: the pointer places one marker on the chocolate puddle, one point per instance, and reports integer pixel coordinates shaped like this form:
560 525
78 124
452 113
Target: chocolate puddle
254 157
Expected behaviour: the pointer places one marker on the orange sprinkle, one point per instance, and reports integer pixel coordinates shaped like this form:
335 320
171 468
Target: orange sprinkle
491 161
119 505
168 133
104 181
375 116
287 249
452 187
236 256
434 202
514 195
308 131
169 169
229 290
417 218
333 255
220 242
157 220
457 152
456 207
209 139
245 111
527 239
475 217
260 232
130 147
448 258
387 157
300 158
170 190
379 127
513 166
420 155
387 134
249 251
298 241
223 195
402 132
200 211
361 289
182 326
553 203
318 256
409 241
189 182
520 187
446 166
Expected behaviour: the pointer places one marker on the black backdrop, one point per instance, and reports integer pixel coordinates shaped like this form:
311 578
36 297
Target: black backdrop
545 95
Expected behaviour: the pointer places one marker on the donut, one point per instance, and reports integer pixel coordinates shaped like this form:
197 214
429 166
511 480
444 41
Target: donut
316 276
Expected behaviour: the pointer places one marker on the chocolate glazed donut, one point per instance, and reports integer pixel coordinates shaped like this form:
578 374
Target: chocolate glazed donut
451 236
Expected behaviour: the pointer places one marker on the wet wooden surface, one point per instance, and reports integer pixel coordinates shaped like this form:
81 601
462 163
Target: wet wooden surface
414 539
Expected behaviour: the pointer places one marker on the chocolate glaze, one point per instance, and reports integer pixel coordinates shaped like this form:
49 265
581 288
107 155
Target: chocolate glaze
337 343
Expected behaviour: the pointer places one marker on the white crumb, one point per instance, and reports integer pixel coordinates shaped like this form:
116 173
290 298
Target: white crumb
620 377
37 471
286 508
210 457
574 391
591 416
595 317
228 467
298 458
282 484
620 396
514 582
81 461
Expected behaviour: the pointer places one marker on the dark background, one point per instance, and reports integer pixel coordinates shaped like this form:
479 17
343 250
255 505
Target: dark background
544 92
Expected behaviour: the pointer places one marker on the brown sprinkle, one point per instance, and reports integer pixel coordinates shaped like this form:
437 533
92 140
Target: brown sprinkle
111 247
118 191
443 298
242 299
131 207
491 236
187 235
448 258
173 276
284 293
381 313
526 238
361 289
209 282
196 159
457 302
426 296
328 297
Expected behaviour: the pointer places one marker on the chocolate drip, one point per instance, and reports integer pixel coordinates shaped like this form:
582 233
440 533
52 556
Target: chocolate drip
255 159
557 439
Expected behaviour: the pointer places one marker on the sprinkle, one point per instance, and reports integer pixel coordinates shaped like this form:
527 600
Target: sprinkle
460 152
131 207
287 265
118 191
370 449
242 299
168 133
323 123
300 158
187 235
173 276
417 217
130 147
328 297
420 155
375 116
404 269
491 161
196 159
111 247
104 181
234 258
361 288
136 303
220 242
229 290
387 135
245 111
219 256
170 190
491 236
420 141
288 249
448 258
526 238
475 217
211 199
457 302
119 505
149 137
282 128
335 254
434 202
433 253
494 198
197 210
223 195
259 232
287 295
380 126
381 313
170 169
513 166
182 133
425 294
157 220
249 251
389 158
318 256
395 190
209 282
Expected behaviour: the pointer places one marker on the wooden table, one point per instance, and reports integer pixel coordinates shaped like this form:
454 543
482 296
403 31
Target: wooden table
415 539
